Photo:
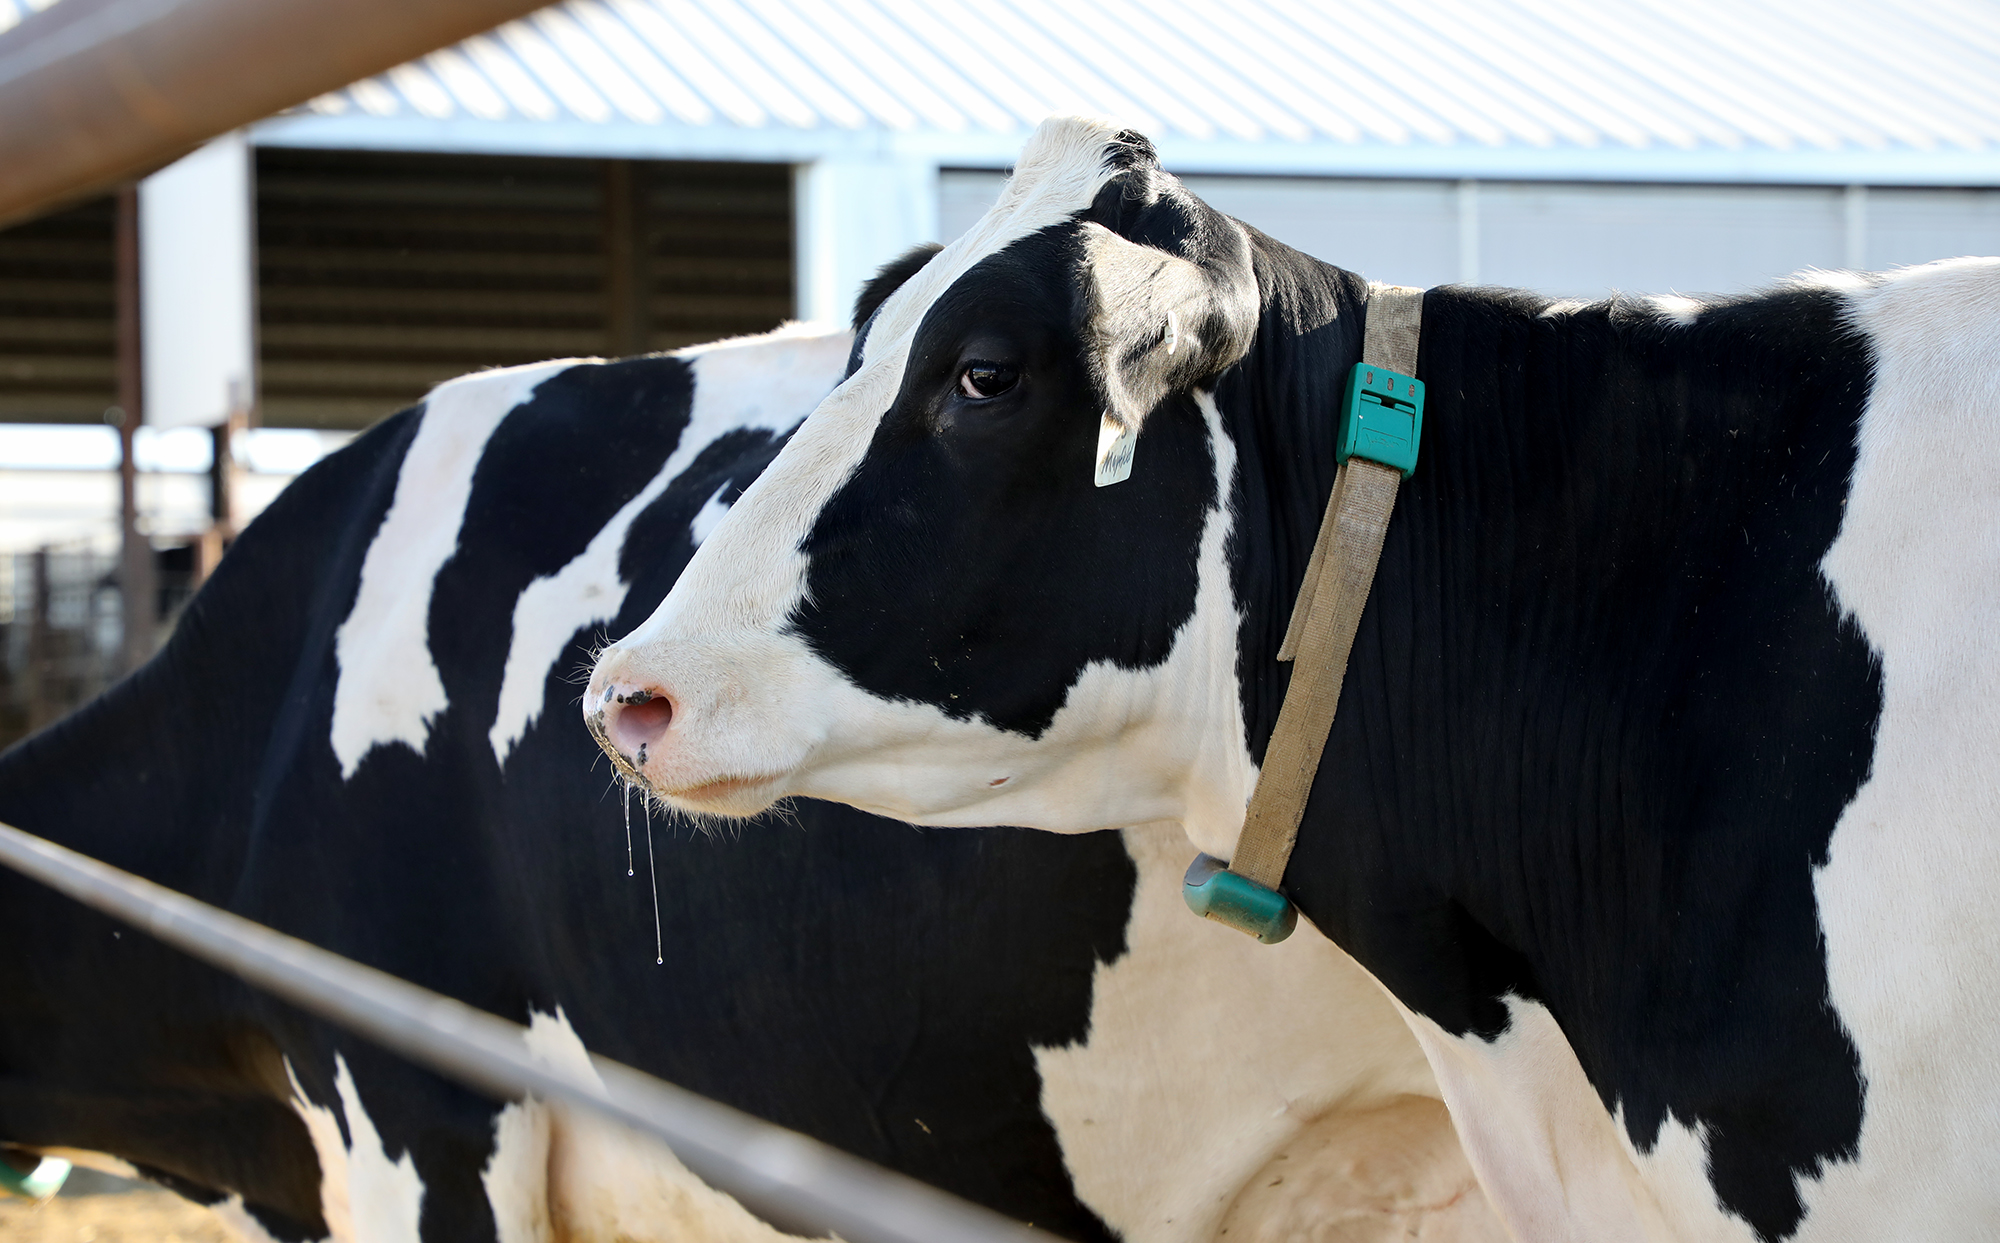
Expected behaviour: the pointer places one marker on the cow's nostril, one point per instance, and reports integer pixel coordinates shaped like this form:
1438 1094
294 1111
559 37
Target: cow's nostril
636 721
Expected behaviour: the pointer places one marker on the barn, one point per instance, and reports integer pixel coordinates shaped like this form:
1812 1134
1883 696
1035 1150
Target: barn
612 176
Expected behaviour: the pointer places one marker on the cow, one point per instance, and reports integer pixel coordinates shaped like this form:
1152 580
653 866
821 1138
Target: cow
360 733
1660 794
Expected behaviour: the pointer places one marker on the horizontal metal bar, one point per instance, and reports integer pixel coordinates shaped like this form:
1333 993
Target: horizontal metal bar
790 1180
96 91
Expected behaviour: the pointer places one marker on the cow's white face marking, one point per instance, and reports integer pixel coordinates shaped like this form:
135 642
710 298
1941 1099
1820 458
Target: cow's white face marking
1270 1090
710 516
366 1197
1128 746
388 689
767 382
559 1174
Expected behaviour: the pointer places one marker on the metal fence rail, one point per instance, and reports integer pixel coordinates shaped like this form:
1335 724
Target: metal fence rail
790 1180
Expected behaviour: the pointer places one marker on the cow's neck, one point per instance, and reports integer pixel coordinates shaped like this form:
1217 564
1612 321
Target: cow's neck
1281 406
1601 714
1600 696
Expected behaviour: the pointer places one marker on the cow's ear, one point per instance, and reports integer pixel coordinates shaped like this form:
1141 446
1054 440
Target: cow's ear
890 277
1169 296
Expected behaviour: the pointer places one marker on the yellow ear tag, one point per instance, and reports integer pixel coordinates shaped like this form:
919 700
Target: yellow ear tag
1115 443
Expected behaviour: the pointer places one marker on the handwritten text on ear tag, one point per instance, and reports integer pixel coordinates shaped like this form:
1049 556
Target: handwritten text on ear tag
1115 443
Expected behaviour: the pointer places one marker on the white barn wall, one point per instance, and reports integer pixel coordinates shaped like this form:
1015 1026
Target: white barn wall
1917 226
851 216
198 286
1585 240
1577 239
1403 232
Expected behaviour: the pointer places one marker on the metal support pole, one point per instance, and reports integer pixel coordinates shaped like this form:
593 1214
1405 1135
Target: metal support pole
135 566
41 669
93 91
1468 232
626 283
1855 228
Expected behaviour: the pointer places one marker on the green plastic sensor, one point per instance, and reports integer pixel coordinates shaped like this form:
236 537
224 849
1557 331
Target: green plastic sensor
1214 892
39 1183
1382 418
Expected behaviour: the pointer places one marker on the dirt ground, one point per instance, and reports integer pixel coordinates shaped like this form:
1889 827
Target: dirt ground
146 1215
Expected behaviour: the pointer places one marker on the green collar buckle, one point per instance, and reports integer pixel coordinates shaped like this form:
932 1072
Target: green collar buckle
1382 418
39 1183
1214 892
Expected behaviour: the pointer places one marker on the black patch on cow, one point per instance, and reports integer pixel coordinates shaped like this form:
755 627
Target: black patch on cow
554 472
663 534
108 1040
876 987
888 280
1602 715
970 562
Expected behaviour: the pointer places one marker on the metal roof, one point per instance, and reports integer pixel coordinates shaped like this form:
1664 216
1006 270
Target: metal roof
1820 90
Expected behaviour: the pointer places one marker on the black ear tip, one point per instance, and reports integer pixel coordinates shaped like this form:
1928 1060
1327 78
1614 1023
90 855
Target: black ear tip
1129 150
889 278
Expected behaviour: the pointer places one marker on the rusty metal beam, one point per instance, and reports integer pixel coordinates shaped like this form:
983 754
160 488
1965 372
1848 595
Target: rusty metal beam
93 92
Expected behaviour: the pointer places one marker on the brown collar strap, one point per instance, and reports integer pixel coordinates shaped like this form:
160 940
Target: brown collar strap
1381 421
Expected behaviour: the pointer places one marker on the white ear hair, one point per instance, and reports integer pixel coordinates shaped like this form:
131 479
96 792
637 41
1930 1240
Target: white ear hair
1209 311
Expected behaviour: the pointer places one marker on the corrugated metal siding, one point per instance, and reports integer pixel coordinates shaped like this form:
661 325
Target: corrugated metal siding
382 274
56 317
1683 74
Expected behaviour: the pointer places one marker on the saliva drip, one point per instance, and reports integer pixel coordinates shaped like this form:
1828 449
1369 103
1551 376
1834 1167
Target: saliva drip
628 826
659 951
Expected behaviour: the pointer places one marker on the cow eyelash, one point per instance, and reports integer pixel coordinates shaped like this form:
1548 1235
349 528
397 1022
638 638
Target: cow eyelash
980 375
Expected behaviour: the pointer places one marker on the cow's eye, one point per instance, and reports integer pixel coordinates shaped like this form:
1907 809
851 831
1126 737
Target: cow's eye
981 380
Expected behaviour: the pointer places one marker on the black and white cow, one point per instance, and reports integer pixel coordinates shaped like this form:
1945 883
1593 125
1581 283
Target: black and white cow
361 733
1662 794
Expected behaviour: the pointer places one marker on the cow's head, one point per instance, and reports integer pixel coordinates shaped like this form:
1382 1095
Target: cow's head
934 604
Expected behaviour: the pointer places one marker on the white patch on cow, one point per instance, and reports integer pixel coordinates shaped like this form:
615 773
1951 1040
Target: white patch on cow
1906 898
389 689
1553 1163
1272 1092
366 1197
1676 309
708 517
561 1174
1839 281
767 382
